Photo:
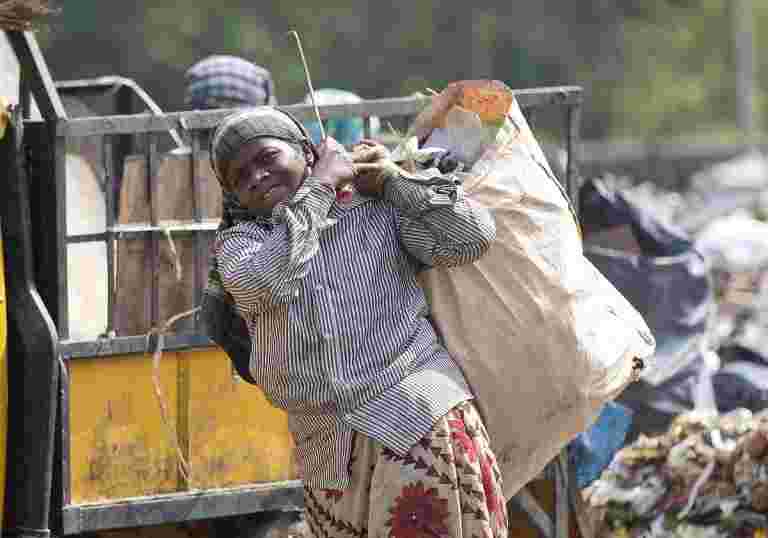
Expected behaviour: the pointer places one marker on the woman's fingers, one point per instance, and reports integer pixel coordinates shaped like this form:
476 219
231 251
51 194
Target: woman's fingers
369 154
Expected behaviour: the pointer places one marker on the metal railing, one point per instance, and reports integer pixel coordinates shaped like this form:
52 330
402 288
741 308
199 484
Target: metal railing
193 127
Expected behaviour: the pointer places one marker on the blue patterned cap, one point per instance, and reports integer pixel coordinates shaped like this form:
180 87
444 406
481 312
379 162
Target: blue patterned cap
224 81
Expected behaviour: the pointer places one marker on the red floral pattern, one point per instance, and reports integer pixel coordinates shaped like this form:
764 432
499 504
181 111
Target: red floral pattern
418 513
446 486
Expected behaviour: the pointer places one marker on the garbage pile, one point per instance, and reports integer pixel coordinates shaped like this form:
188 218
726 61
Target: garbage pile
707 476
696 264
724 214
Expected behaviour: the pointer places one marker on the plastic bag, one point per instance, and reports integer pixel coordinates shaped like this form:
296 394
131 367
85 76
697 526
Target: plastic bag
738 243
742 382
655 266
592 451
542 337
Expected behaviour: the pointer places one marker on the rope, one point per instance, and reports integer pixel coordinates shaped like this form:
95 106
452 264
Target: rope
174 254
184 467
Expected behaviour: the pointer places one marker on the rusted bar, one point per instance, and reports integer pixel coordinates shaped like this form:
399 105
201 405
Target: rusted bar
200 259
109 181
153 239
573 121
207 119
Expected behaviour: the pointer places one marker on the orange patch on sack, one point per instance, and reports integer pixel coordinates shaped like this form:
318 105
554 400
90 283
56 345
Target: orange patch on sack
489 102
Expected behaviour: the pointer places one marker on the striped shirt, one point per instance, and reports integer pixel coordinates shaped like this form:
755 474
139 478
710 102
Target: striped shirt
339 326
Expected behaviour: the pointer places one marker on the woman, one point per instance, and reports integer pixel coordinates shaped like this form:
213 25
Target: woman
383 420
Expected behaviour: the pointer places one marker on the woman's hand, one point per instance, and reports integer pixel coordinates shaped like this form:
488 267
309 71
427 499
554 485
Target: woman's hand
373 168
369 151
334 166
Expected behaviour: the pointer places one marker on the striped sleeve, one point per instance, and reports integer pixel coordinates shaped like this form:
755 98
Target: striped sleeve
262 266
438 225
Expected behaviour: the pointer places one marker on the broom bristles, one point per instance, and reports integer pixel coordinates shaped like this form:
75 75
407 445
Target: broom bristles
21 14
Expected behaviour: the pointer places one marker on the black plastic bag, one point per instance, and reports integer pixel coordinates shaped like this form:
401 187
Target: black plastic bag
742 381
664 278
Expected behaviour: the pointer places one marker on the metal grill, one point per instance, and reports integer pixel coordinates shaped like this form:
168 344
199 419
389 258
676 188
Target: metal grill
192 127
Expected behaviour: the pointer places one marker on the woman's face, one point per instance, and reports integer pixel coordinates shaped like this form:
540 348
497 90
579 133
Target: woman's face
266 172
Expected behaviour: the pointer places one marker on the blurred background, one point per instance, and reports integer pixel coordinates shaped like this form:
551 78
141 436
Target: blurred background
654 69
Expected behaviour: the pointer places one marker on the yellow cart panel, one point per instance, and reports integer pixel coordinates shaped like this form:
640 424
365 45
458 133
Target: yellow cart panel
236 437
120 447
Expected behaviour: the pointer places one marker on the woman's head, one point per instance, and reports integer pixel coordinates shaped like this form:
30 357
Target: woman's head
261 156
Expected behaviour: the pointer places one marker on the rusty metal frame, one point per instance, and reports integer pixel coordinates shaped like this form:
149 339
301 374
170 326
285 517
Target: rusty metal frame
104 516
182 507
35 78
191 124
33 368
208 119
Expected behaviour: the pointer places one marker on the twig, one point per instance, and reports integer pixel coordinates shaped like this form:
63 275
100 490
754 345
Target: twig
184 467
295 34
174 254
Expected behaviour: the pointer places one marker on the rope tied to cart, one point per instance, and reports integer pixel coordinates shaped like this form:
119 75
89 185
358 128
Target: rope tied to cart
184 467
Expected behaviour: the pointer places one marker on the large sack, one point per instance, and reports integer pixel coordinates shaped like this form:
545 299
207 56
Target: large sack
542 337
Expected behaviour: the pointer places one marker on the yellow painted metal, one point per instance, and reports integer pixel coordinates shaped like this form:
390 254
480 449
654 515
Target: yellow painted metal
120 447
3 379
236 436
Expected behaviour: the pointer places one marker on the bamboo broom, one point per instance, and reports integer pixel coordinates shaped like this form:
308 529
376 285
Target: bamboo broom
21 14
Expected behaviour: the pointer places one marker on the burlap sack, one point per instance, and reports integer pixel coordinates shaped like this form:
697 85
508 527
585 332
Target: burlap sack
543 338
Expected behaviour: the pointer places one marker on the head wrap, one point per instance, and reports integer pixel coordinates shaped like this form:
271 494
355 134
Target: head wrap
243 127
224 81
347 131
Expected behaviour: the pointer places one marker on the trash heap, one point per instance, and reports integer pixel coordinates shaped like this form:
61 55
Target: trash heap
707 476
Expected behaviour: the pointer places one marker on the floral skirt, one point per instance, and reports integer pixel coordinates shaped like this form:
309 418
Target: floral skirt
447 485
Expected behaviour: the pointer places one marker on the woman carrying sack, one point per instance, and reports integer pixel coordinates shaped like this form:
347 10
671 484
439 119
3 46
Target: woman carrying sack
384 422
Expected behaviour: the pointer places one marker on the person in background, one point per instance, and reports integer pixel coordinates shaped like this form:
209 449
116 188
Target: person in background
221 81
346 131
